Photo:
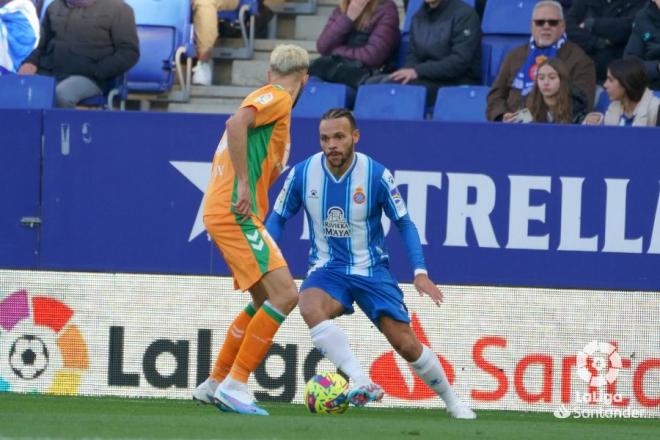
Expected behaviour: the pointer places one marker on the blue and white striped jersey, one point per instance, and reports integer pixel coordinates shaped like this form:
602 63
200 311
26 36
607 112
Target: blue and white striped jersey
344 215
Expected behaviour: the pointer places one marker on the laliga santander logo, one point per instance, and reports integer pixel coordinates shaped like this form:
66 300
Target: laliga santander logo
40 349
605 363
386 373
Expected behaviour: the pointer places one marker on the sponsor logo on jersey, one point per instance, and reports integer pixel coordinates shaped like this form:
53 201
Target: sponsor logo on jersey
313 194
264 99
394 193
335 224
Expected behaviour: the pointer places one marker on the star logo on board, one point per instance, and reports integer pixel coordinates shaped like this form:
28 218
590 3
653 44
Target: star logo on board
198 173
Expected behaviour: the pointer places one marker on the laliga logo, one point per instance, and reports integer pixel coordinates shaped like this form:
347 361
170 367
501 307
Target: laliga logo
40 349
605 360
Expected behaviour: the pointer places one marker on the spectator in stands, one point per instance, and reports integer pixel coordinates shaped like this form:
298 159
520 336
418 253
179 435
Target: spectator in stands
517 74
364 31
205 21
602 28
644 42
19 33
84 45
445 48
553 99
632 102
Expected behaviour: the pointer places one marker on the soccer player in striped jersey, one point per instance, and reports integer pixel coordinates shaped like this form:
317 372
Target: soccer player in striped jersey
251 154
344 195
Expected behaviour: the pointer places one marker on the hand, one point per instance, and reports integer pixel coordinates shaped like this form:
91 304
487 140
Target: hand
355 8
508 117
243 204
425 286
404 76
27 69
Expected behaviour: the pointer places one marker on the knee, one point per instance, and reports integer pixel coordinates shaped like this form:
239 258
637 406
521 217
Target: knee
310 312
286 300
64 99
408 348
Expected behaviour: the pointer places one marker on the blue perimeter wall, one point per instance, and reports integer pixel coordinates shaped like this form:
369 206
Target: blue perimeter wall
497 204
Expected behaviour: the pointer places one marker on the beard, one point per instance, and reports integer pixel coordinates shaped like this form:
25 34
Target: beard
341 157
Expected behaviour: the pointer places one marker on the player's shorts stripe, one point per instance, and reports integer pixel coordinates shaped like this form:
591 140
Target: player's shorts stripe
256 241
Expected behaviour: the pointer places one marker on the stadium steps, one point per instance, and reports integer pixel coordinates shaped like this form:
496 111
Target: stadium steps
234 79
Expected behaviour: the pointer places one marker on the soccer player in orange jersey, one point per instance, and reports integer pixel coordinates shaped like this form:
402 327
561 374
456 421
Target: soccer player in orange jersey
252 153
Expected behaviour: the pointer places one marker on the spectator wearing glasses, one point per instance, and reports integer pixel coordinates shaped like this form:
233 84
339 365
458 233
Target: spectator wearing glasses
517 74
602 28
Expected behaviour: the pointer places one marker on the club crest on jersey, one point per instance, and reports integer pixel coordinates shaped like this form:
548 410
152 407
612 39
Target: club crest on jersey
359 196
335 224
264 99
396 196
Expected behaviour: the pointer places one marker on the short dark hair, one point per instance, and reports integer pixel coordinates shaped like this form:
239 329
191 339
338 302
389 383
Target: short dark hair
631 74
338 113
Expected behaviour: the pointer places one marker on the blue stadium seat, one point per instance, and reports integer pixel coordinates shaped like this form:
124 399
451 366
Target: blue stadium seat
657 93
27 91
512 17
390 101
165 32
245 9
506 24
318 97
461 103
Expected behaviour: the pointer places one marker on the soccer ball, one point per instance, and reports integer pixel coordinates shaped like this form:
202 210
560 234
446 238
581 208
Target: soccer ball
28 357
327 393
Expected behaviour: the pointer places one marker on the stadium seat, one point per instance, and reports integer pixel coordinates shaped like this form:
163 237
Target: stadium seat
506 24
27 91
390 101
246 9
511 17
165 32
318 97
657 93
461 103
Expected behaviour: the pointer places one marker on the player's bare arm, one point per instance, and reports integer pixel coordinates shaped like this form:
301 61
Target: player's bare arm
237 134
425 286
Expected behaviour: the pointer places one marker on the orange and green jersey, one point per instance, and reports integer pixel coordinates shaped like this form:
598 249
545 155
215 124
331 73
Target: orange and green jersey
268 144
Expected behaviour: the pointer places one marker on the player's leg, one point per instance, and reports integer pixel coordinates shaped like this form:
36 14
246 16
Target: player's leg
282 298
318 308
230 346
425 363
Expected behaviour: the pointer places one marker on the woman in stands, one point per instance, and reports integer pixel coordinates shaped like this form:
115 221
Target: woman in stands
633 104
363 31
553 99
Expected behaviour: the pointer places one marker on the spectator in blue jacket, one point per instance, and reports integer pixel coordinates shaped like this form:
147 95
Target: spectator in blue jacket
84 44
445 48
644 42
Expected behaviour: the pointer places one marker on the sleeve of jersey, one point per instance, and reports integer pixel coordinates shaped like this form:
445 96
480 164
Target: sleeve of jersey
289 200
411 241
393 204
271 105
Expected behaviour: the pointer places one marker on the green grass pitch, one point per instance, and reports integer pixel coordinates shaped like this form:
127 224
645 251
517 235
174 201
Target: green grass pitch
55 417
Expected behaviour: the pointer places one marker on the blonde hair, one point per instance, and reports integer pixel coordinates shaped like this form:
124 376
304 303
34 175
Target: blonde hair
288 58
362 22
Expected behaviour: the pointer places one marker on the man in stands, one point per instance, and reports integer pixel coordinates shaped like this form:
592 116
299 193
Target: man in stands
602 28
445 48
518 71
84 44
